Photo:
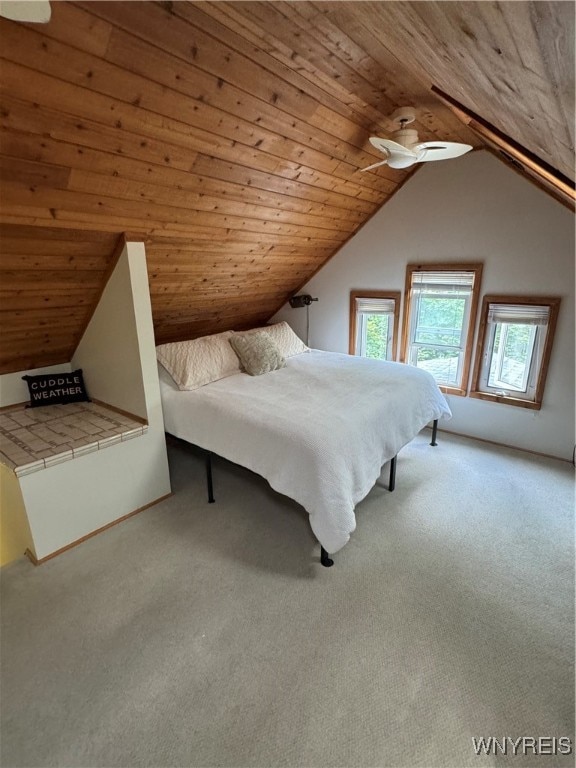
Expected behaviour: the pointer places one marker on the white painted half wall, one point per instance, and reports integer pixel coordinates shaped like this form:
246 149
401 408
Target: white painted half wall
471 209
117 353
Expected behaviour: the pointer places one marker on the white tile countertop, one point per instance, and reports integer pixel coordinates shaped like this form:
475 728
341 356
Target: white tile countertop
32 439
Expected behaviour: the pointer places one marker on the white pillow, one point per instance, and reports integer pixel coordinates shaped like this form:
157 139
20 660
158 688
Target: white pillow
197 362
284 338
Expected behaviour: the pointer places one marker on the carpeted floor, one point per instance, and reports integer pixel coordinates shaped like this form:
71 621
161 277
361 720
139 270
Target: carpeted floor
209 635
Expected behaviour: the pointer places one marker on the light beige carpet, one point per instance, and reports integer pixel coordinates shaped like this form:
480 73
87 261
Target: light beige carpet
209 635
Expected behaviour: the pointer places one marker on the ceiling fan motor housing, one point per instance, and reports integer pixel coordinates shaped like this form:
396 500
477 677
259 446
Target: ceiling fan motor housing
407 137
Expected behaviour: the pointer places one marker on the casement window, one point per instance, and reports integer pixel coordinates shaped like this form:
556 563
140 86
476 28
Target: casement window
374 323
440 311
514 346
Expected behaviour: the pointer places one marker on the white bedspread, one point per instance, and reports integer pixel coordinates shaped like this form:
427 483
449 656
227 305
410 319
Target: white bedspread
319 430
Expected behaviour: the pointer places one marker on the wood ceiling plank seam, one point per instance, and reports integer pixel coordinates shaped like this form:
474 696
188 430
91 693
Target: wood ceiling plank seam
402 36
65 200
286 56
13 142
440 124
211 235
19 232
63 299
286 27
207 205
93 183
233 193
48 317
134 116
40 247
34 261
241 104
40 85
48 123
232 76
215 168
148 27
397 81
76 221
90 33
124 52
431 125
176 259
14 278
223 33
33 172
336 40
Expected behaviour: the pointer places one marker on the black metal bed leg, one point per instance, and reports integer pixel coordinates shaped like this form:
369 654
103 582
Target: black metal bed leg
209 477
392 481
434 432
325 558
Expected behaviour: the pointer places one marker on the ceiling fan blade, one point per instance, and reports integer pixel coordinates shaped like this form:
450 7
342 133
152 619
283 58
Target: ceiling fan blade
440 150
37 11
388 146
376 165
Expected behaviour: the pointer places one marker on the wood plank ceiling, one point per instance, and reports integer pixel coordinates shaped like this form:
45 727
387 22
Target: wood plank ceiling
229 136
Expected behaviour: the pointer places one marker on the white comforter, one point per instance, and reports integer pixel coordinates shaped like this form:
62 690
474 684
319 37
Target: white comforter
319 430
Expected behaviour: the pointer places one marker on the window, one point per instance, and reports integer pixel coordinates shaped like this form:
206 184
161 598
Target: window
441 303
514 346
373 323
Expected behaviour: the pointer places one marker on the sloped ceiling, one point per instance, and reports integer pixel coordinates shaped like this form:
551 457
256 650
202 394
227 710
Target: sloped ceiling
229 137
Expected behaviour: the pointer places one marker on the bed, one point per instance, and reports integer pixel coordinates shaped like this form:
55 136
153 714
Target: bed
319 429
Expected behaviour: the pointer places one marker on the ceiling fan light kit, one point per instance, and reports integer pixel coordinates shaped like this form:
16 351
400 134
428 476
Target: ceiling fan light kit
406 149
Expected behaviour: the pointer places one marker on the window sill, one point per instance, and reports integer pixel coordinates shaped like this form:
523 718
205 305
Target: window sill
507 400
452 390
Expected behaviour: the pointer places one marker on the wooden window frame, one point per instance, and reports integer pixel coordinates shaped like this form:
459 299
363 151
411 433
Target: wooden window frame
395 296
544 301
474 267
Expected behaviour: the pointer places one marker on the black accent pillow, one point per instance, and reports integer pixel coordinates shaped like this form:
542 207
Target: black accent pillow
56 388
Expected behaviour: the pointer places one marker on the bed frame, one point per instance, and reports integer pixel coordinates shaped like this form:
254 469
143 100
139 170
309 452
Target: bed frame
325 558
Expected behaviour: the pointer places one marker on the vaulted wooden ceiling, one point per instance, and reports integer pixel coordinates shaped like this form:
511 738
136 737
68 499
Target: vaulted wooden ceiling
229 136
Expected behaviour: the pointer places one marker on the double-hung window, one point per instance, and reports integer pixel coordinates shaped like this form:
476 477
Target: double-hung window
374 323
514 346
441 302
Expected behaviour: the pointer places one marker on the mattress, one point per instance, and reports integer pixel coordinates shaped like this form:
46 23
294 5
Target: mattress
318 430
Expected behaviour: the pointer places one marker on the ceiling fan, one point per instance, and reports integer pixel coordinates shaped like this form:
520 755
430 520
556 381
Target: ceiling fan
407 150
36 11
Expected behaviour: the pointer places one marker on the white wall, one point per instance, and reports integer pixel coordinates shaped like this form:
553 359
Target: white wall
470 209
14 390
109 351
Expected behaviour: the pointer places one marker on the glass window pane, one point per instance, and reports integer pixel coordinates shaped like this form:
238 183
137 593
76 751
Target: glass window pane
512 356
440 320
376 336
443 364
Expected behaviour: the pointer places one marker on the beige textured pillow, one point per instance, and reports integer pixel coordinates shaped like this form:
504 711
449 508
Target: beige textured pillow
284 337
197 362
257 352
